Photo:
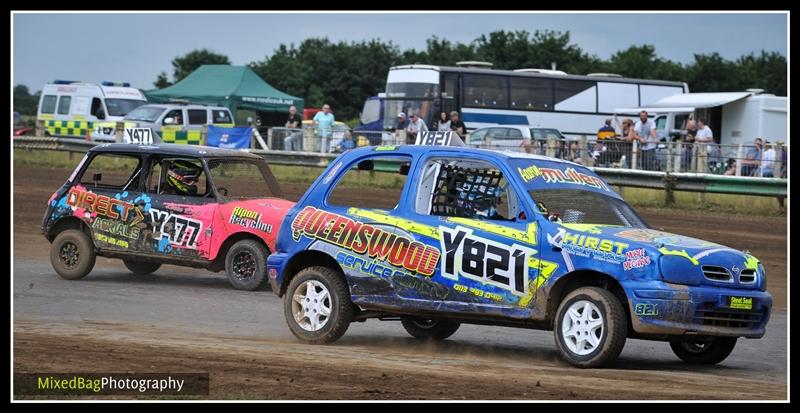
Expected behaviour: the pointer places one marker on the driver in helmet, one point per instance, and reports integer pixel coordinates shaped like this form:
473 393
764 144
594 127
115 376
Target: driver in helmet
182 177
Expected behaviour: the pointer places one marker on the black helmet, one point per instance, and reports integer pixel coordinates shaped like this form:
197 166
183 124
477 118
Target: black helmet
182 177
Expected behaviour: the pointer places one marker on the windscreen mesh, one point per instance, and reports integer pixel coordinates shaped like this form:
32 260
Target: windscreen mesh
465 192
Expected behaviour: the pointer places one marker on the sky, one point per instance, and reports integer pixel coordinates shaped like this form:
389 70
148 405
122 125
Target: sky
136 47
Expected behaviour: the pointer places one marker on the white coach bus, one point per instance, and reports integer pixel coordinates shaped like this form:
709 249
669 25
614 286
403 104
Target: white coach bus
575 105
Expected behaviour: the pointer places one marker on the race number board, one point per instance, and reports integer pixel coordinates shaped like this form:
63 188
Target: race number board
138 135
434 138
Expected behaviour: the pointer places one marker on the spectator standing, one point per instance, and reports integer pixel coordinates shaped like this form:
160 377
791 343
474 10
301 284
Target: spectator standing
752 158
443 124
456 125
416 126
606 131
783 161
294 140
402 124
704 133
688 144
767 167
645 132
323 122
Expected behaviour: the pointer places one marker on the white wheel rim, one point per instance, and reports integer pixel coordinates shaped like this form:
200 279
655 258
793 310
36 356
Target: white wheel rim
582 327
311 305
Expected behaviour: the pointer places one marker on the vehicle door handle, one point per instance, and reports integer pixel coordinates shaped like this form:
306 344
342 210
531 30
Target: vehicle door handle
556 249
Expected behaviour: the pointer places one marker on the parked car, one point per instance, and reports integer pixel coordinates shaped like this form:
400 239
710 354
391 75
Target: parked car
507 239
513 137
203 207
175 122
19 128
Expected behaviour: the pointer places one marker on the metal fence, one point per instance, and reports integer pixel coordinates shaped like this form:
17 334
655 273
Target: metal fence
335 140
669 181
708 158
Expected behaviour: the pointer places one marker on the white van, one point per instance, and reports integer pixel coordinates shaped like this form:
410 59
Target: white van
73 109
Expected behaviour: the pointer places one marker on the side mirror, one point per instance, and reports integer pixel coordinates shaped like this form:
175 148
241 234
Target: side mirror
101 115
366 165
169 121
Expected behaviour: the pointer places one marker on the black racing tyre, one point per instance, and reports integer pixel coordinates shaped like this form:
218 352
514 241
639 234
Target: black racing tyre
427 329
246 264
140 267
317 305
704 351
590 327
72 254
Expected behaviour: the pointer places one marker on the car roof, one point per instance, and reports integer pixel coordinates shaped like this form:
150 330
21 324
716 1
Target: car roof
172 149
416 150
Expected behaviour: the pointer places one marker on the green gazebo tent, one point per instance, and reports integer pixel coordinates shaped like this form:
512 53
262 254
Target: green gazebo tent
235 87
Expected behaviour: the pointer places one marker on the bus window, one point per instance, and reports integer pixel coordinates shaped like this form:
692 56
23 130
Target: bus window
616 95
485 91
576 96
531 93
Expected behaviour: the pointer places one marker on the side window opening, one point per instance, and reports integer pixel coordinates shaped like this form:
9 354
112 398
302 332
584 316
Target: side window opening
381 178
176 116
177 176
198 116
97 107
112 172
466 189
49 104
221 116
64 104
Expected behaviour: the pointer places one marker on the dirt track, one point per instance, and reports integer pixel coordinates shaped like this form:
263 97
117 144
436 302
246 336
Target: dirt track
133 328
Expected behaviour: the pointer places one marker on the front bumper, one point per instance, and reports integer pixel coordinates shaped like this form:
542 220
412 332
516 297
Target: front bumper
663 309
275 266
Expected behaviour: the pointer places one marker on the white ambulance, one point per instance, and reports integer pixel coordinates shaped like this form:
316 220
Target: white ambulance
75 109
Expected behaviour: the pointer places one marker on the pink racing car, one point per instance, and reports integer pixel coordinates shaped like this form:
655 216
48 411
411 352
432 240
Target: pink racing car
167 204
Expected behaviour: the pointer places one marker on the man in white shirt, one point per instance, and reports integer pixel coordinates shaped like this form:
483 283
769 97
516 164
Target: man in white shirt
414 127
704 133
767 168
645 130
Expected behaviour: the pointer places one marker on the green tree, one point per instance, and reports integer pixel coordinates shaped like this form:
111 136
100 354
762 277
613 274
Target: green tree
712 73
24 102
182 66
642 62
162 81
340 74
767 71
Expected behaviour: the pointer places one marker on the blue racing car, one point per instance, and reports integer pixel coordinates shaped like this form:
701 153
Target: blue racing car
510 239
